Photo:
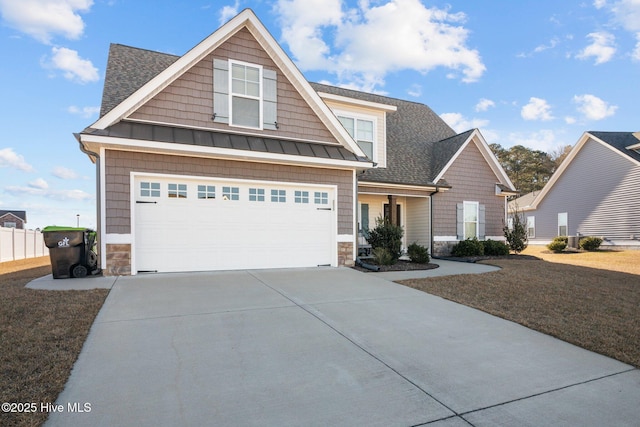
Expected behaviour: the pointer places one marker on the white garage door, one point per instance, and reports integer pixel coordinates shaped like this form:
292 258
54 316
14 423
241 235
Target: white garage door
185 224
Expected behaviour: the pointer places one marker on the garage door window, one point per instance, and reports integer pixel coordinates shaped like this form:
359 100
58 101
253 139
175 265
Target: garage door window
321 198
150 189
279 196
230 193
206 191
302 197
256 194
177 191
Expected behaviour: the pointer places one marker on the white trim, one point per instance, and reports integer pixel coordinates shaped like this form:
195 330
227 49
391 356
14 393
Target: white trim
464 221
498 238
118 239
345 238
94 141
358 102
103 208
245 19
383 186
445 238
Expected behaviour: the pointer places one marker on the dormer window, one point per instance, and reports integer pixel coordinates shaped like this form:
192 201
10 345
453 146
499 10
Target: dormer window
244 95
362 130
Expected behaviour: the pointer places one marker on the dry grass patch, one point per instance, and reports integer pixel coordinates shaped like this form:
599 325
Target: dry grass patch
592 308
606 259
41 335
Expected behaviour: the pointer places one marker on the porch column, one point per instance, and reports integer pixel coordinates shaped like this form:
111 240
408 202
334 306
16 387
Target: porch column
393 213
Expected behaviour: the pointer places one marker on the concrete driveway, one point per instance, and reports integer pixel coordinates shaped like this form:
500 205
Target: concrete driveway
327 347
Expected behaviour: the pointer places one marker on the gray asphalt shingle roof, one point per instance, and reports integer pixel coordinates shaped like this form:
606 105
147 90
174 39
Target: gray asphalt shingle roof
619 141
419 142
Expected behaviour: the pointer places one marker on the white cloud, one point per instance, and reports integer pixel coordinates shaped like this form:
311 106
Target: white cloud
9 158
593 107
536 109
543 140
602 47
359 48
74 68
228 12
627 13
570 120
459 123
64 173
39 183
599 4
635 55
42 19
61 195
415 90
484 104
85 112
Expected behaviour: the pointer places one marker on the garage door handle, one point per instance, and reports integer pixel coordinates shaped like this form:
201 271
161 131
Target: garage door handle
324 209
144 201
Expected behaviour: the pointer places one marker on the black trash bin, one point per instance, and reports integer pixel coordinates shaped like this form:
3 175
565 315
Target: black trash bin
71 250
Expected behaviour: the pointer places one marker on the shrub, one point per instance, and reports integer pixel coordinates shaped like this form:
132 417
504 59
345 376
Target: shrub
564 239
516 236
382 256
590 243
387 236
418 253
494 247
557 246
469 247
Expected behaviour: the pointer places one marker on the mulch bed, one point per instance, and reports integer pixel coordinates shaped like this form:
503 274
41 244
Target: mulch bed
401 265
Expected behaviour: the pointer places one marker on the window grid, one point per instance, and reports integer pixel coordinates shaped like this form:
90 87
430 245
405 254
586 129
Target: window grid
471 219
278 196
206 191
256 194
321 198
150 189
178 191
301 196
230 193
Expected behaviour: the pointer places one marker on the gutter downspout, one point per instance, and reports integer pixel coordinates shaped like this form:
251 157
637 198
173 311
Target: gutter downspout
431 218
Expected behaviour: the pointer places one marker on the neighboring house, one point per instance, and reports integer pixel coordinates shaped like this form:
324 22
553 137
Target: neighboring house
227 158
594 192
13 219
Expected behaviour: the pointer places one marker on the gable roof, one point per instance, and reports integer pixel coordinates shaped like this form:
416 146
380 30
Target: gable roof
617 142
117 108
18 214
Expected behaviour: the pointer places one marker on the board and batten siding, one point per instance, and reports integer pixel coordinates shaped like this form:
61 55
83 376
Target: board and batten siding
120 164
418 228
600 192
188 101
472 180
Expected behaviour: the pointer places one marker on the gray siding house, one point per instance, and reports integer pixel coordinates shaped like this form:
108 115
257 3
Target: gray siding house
228 158
594 192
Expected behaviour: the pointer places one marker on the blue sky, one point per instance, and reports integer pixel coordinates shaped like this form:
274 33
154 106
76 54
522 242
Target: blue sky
532 73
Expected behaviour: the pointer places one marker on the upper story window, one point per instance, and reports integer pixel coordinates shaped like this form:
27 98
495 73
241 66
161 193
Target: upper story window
244 95
361 130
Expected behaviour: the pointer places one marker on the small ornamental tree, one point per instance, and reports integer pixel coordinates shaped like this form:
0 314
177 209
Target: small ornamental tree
387 235
516 236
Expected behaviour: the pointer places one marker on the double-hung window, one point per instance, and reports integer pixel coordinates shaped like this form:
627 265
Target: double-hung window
471 219
531 227
562 223
246 95
361 130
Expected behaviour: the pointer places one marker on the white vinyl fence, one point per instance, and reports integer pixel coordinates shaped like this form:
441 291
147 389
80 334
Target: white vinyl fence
18 244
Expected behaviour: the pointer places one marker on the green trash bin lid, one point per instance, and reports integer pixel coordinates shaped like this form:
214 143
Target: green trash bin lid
62 228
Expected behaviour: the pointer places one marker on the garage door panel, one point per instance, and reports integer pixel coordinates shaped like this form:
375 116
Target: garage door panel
191 233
